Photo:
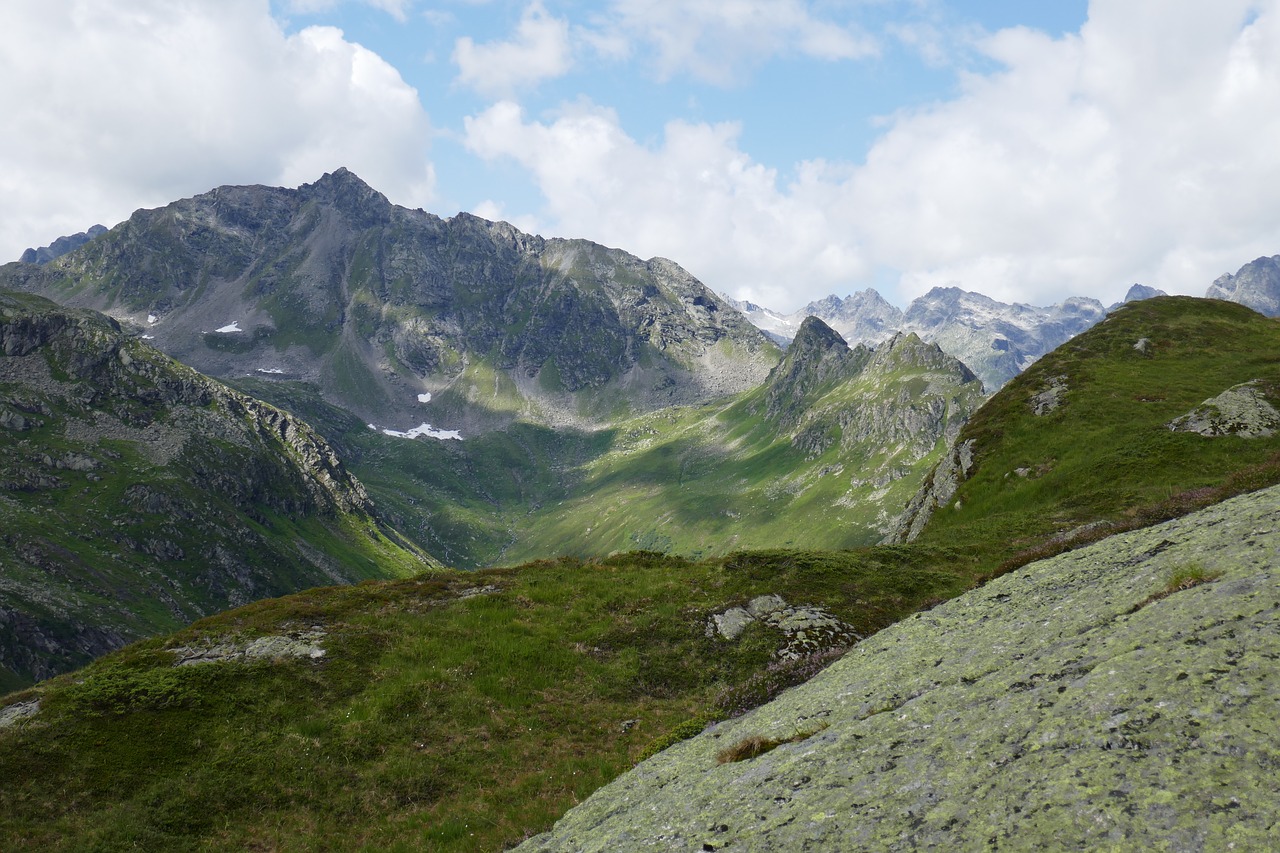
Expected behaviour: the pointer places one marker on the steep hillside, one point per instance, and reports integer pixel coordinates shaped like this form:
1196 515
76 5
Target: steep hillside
1091 438
461 711
402 317
137 495
1123 696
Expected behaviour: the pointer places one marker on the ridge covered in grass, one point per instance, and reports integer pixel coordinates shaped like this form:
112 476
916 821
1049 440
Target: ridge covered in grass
454 711
1104 458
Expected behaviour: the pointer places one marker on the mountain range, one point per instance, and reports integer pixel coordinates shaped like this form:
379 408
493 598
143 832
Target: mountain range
994 339
997 341
567 398
400 316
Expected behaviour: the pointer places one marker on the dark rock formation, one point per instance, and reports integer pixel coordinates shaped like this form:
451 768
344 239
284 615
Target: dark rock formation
61 246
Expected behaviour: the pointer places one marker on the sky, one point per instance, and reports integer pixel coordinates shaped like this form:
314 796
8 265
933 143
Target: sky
780 150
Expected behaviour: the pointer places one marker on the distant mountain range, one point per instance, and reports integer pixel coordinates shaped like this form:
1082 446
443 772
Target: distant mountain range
994 339
400 316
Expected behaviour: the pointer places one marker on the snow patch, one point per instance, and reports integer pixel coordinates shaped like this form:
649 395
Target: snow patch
152 319
272 370
230 327
148 337
424 398
424 429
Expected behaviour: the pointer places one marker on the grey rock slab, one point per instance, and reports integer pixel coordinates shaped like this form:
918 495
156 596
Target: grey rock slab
1065 705
305 644
11 714
1241 410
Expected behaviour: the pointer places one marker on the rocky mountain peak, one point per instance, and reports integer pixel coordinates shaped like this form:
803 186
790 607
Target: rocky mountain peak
1142 291
350 195
61 246
1256 285
817 359
907 349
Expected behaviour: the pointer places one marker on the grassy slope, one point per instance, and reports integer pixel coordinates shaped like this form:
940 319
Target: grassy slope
1106 455
432 722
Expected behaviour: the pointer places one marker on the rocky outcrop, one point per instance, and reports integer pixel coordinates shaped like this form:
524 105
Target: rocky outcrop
936 493
1242 410
805 629
1256 284
815 362
1117 696
302 643
1050 396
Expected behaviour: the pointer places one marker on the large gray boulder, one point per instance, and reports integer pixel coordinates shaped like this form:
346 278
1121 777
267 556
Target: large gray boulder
1122 696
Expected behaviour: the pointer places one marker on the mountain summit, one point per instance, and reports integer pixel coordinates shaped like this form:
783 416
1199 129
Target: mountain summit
399 315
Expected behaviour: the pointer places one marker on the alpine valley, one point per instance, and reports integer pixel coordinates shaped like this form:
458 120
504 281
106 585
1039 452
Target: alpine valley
457 528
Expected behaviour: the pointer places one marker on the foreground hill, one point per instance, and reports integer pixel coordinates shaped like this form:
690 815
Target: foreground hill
1121 696
1097 436
382 307
138 495
456 711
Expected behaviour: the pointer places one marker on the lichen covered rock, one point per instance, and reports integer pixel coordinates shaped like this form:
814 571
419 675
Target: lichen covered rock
1242 410
1084 702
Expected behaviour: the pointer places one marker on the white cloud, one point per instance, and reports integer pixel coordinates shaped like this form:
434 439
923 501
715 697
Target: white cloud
540 51
398 9
1140 149
695 198
714 40
124 109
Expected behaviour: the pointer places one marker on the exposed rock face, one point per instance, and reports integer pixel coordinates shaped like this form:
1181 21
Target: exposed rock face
997 341
137 495
1242 410
333 284
1256 284
1050 397
296 644
1082 702
933 407
889 408
936 493
864 316
1137 292
817 359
